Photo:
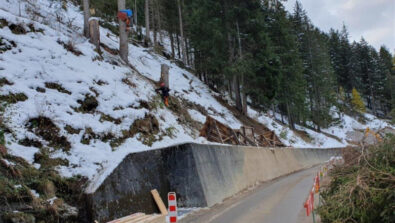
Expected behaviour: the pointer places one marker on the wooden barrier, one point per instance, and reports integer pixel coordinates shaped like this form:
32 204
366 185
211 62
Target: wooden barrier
216 131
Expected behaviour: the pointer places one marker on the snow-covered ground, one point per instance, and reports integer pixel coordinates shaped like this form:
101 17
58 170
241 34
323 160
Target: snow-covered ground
38 59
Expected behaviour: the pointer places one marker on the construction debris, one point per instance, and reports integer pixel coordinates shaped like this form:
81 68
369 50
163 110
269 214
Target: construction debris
215 131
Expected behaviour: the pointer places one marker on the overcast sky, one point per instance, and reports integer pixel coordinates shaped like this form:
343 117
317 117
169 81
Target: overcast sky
372 19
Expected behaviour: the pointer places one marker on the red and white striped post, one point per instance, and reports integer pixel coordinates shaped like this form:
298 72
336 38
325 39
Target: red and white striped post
172 199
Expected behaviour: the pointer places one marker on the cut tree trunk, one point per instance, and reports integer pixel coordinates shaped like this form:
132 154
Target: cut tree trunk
87 15
123 35
164 75
94 32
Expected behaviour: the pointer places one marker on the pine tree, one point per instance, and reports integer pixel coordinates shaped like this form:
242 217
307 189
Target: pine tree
317 68
291 96
357 102
387 93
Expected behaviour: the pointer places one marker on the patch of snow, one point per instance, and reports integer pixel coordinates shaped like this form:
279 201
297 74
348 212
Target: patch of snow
8 163
51 200
26 153
197 116
35 194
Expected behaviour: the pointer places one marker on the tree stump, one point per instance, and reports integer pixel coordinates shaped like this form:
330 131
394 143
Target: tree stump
94 32
164 74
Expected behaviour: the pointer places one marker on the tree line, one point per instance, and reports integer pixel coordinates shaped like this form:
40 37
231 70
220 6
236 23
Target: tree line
260 55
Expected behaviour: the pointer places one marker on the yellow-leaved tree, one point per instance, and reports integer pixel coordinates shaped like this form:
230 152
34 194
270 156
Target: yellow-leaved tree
357 102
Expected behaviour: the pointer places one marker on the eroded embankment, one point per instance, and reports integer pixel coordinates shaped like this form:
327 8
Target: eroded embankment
201 175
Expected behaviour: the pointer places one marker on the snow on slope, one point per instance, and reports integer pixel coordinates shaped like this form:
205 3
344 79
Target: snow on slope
38 59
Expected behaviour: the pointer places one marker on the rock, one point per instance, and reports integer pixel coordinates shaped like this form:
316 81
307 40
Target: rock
355 136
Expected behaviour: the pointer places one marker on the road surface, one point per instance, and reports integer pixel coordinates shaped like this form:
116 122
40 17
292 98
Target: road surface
278 201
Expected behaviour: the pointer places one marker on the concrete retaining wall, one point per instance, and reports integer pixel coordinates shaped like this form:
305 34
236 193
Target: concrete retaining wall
201 175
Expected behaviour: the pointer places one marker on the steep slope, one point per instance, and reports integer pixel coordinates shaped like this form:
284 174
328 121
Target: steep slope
97 107
89 109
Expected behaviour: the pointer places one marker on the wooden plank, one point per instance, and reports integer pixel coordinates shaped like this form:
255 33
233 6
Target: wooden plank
159 202
267 141
274 139
126 218
246 139
215 123
235 136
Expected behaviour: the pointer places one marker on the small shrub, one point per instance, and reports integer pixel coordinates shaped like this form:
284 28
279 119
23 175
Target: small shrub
58 87
362 190
69 46
170 132
392 115
284 134
2 137
6 45
72 130
357 102
45 128
13 98
17 29
89 104
108 118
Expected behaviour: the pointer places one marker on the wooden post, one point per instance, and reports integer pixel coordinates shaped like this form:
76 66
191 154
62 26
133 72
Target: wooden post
123 35
159 202
94 32
164 75
219 133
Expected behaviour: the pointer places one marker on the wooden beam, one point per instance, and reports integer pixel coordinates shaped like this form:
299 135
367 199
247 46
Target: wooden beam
159 202
215 123
234 135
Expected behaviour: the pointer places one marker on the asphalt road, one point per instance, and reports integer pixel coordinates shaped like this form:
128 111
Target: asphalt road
278 201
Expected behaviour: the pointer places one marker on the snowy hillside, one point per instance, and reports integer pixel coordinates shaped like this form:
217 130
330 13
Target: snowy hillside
62 97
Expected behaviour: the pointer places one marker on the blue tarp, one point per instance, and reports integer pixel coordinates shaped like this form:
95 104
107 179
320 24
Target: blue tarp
128 12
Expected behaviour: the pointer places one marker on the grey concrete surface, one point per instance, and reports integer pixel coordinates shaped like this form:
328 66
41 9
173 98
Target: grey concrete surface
201 175
278 201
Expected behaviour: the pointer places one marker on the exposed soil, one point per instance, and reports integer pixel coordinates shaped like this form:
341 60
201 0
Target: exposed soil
89 104
69 46
45 128
57 87
13 98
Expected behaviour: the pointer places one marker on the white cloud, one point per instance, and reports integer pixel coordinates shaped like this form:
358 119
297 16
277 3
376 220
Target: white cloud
372 19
